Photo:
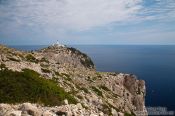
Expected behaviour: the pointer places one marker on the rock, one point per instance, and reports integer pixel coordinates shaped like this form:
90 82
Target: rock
114 112
59 113
93 115
101 114
14 113
66 102
120 114
48 113
97 93
28 108
4 108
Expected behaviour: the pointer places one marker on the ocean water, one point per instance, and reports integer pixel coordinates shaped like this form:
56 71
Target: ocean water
153 63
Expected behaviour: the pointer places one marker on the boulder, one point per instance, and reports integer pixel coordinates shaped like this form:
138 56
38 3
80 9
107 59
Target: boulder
28 108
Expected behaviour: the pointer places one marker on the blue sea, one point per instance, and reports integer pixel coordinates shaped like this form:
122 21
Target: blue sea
153 63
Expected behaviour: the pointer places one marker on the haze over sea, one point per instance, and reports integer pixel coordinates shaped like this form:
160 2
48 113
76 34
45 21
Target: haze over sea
153 63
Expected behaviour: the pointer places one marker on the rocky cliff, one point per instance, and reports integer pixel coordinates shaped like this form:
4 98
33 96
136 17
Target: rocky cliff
80 89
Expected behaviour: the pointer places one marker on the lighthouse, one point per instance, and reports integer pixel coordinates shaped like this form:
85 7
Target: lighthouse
57 44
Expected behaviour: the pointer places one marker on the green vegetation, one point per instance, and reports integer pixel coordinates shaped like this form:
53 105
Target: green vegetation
104 88
115 95
94 78
28 86
89 79
44 65
64 74
31 58
68 78
44 60
127 114
57 73
2 66
111 106
97 91
106 109
21 56
79 96
55 79
87 62
45 70
84 89
84 106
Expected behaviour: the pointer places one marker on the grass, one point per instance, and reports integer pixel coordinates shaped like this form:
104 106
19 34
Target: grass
28 86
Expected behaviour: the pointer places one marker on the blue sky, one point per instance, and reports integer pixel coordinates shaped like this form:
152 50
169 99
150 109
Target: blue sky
42 22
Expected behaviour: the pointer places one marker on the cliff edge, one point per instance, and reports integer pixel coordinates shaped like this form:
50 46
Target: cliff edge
59 80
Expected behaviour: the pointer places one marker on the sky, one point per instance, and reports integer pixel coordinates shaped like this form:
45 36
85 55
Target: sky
109 22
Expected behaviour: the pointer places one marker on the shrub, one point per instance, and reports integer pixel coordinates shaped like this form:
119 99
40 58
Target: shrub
64 74
45 70
57 73
106 109
84 89
44 65
97 91
2 66
104 88
28 86
79 96
87 62
44 60
127 114
31 58
89 79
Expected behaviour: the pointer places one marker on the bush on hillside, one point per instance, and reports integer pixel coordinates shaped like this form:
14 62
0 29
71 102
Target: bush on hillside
28 86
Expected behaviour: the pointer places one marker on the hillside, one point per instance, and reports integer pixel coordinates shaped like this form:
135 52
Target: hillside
63 81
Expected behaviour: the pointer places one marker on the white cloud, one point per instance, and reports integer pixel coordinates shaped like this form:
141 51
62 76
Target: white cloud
81 14
162 10
69 14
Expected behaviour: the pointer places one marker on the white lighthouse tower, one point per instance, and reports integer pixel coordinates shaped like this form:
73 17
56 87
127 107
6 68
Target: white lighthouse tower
57 44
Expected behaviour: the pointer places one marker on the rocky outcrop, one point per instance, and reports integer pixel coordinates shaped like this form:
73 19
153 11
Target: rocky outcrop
28 109
97 93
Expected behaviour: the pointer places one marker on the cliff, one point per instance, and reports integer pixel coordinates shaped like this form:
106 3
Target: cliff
63 81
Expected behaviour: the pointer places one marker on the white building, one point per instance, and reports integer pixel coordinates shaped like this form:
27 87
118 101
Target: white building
58 44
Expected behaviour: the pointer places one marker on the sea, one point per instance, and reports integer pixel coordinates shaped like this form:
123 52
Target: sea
153 63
